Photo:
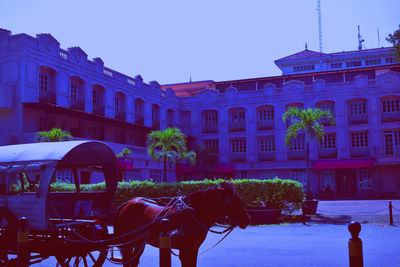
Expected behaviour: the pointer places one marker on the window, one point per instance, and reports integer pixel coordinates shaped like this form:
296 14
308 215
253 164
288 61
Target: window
303 68
92 132
65 175
155 175
95 96
268 174
117 137
42 123
392 142
267 144
116 104
359 139
211 145
132 175
365 179
328 141
353 64
389 60
373 61
74 94
238 116
357 108
266 114
300 176
327 106
238 145
243 175
327 180
297 143
43 82
211 118
336 65
390 105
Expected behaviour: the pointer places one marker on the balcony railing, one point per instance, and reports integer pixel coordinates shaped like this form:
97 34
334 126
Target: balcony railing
265 125
120 115
296 155
358 119
266 156
390 116
326 122
359 152
139 120
237 126
330 153
238 157
47 97
98 110
77 104
210 128
155 124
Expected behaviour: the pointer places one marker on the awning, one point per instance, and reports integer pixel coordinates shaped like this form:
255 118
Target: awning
224 168
184 168
125 165
343 164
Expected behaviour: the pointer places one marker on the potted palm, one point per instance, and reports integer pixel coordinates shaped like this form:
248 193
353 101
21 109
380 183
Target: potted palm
307 121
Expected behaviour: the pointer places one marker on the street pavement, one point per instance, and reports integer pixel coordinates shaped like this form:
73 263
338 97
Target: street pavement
323 241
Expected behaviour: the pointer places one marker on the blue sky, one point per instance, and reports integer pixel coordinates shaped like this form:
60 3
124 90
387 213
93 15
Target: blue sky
169 41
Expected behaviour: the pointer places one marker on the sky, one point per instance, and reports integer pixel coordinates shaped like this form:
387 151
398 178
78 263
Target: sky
175 40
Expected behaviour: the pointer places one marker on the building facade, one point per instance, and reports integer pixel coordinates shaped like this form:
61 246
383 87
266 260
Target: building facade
239 123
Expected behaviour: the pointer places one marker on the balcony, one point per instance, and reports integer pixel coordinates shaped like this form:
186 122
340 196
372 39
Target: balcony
77 104
265 125
326 122
296 155
266 156
390 116
139 120
358 119
238 157
98 110
359 152
155 124
330 153
237 126
210 128
120 115
47 97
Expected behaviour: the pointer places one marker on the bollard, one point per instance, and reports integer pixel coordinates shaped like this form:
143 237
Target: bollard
165 244
355 246
390 213
22 243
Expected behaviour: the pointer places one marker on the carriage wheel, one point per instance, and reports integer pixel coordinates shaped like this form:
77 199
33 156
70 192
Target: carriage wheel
8 236
93 259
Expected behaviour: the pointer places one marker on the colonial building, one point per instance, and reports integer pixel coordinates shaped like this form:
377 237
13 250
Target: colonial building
239 122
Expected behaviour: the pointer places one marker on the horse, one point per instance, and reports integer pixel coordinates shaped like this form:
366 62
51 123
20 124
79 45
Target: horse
188 229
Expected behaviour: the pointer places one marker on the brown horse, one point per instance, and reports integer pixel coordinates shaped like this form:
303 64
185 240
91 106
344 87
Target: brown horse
188 229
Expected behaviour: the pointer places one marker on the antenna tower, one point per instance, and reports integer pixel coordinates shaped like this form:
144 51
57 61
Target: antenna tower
360 39
319 26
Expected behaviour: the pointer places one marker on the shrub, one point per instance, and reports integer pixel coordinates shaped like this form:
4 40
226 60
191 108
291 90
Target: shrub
275 193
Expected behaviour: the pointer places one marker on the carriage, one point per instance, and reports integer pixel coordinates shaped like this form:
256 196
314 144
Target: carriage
38 222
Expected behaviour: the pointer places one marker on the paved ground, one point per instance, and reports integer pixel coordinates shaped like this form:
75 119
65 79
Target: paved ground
322 242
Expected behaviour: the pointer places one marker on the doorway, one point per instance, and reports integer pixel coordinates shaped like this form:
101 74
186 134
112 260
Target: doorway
346 183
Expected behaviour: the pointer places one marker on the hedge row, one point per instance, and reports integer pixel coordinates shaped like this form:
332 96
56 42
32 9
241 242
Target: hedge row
276 193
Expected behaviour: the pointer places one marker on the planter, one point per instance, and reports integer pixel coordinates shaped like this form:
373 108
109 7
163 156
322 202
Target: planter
310 207
264 215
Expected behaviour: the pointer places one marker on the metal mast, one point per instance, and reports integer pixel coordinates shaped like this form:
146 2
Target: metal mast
319 26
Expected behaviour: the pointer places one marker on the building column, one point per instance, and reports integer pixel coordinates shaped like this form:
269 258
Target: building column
251 133
223 135
342 136
130 109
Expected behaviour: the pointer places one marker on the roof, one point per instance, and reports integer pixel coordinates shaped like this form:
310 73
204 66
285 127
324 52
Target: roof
70 152
301 55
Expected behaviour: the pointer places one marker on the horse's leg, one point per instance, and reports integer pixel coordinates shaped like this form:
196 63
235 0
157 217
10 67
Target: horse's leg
126 253
137 253
188 256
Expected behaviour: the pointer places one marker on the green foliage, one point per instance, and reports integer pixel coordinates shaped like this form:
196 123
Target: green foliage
394 39
124 152
54 135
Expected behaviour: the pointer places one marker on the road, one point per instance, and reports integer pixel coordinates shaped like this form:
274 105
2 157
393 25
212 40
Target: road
290 245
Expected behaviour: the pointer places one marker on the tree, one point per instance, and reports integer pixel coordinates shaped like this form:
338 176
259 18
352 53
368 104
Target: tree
169 146
309 122
123 154
394 39
54 135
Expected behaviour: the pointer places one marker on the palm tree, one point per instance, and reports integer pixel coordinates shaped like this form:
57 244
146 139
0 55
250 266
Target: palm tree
308 121
169 146
123 154
54 135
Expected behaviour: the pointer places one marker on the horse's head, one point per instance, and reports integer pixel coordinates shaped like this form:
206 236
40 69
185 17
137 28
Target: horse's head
231 206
